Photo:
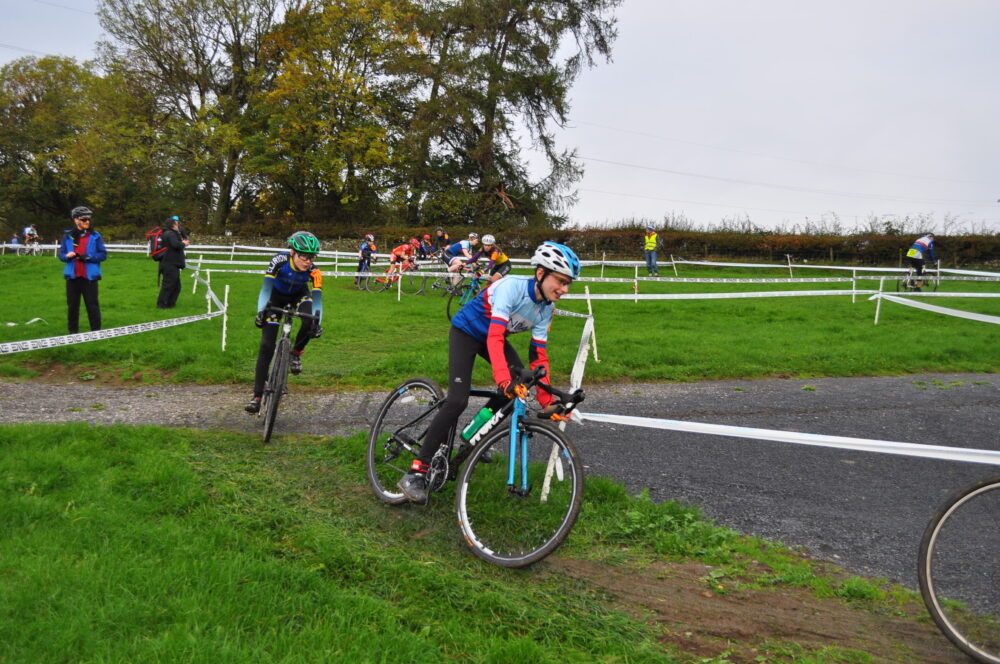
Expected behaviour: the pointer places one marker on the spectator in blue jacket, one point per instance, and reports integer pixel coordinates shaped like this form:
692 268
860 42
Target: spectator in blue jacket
83 251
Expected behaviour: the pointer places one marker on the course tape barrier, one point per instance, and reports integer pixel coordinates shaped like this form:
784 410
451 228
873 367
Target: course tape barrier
110 333
840 442
682 280
711 296
916 304
29 322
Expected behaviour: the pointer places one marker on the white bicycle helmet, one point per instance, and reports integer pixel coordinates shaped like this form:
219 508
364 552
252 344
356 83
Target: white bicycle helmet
558 258
473 236
489 239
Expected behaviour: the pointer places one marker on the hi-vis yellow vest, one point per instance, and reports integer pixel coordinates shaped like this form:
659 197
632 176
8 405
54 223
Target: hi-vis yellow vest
651 242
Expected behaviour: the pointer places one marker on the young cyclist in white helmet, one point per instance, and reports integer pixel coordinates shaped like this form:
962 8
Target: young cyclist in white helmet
511 305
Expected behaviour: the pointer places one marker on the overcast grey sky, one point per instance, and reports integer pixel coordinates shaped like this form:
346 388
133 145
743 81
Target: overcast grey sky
776 109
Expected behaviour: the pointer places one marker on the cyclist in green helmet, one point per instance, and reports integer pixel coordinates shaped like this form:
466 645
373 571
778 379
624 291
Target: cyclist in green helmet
291 277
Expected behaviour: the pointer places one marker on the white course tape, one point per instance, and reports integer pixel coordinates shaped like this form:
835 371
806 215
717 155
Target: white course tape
841 442
33 320
72 339
712 296
572 314
803 280
916 304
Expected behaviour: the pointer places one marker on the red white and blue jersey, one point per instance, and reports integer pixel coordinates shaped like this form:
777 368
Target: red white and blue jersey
921 247
507 307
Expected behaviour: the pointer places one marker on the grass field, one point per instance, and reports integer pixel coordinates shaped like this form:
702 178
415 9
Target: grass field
372 341
154 545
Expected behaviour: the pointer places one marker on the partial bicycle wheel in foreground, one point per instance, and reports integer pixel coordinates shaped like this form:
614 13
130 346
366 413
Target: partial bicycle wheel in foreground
959 570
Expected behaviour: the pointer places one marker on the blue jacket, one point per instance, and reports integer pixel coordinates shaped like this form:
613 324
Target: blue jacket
92 258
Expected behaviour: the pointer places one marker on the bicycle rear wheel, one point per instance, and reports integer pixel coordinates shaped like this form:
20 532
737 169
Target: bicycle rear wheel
518 525
959 570
274 388
440 285
379 283
397 433
906 284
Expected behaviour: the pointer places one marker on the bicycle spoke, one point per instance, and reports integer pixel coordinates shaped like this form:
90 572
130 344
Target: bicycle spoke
517 524
960 571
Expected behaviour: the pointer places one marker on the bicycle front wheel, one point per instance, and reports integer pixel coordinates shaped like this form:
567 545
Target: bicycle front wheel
274 388
514 515
395 438
959 570
413 282
466 293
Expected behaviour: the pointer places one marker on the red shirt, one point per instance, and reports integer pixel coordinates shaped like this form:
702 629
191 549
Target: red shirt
403 250
80 249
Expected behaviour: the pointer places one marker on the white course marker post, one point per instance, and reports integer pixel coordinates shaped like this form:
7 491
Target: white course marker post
197 270
878 303
590 312
225 317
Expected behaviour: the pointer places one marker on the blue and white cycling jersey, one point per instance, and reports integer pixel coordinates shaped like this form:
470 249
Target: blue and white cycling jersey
511 303
456 249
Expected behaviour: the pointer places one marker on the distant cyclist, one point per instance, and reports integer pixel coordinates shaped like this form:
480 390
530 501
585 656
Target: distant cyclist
31 235
290 278
404 254
459 254
441 239
366 255
481 327
426 248
922 249
499 264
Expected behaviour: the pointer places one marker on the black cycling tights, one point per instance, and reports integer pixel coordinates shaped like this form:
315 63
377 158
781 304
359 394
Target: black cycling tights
462 352
269 337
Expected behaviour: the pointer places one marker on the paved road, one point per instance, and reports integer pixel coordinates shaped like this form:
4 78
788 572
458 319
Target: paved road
866 511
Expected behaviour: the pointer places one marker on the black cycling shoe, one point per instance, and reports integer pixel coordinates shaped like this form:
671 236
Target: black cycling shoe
253 406
414 487
295 363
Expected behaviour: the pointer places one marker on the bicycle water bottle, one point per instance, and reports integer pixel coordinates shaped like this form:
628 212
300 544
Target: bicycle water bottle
478 421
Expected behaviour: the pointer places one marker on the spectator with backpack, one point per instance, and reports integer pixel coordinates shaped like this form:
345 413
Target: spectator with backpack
83 251
171 259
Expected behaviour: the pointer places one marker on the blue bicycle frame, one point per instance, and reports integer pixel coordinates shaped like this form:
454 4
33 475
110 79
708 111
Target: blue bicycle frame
518 439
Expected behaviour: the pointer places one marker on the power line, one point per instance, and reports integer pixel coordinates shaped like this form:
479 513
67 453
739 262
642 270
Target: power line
886 197
771 156
72 9
23 50
678 200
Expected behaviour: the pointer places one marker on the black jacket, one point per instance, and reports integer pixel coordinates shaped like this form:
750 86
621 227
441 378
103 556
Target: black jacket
174 255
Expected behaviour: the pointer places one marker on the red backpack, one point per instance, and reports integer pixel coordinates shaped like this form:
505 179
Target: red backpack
156 246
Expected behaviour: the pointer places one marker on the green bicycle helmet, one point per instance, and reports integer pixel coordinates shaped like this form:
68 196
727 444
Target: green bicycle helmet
304 242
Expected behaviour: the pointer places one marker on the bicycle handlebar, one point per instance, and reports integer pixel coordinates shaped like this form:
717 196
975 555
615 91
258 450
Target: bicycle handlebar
569 399
289 311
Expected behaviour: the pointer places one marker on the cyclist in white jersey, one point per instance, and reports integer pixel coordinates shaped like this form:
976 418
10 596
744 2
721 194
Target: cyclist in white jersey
481 327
